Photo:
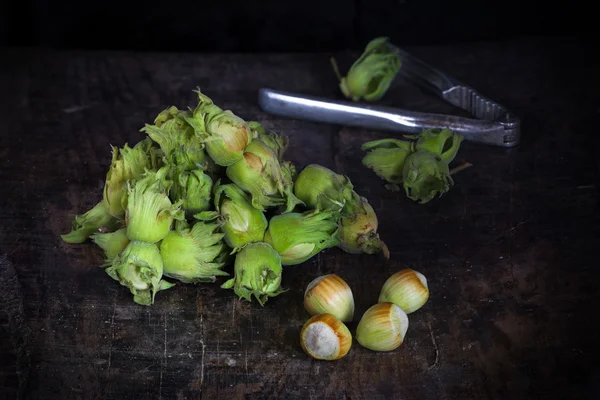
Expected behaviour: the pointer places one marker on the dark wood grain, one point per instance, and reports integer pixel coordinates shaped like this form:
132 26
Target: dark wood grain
509 252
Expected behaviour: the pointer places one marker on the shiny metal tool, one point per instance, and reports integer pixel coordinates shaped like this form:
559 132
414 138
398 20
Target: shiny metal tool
492 125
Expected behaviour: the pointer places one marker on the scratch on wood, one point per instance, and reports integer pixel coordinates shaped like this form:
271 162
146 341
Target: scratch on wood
510 244
74 109
203 352
517 226
251 326
507 232
162 365
112 334
464 211
319 264
246 363
335 150
461 167
144 370
15 249
435 346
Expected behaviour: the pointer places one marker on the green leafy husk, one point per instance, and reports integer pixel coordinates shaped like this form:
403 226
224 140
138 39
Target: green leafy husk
241 222
297 237
426 176
127 164
95 220
358 228
150 212
193 189
371 75
321 188
276 142
261 174
194 254
257 272
386 158
171 132
225 134
113 243
140 268
442 142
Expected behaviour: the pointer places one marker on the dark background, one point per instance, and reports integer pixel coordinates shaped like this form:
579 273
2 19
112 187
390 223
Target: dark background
280 26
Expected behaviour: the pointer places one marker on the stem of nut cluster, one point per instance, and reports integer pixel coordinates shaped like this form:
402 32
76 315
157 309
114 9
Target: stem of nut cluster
461 167
371 243
334 65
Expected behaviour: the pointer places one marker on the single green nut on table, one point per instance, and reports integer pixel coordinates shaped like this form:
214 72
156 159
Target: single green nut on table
260 173
321 188
329 294
140 268
113 243
382 327
257 271
150 212
426 176
387 157
371 75
297 237
194 254
225 134
407 289
95 220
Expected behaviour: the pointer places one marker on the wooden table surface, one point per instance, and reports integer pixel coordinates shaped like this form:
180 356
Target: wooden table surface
509 252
